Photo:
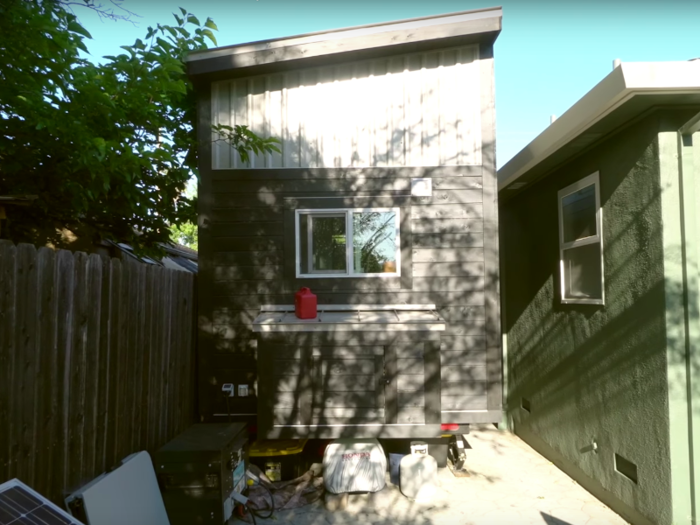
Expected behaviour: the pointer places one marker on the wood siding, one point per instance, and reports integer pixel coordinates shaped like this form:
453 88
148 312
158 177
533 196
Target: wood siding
419 109
96 363
449 258
246 253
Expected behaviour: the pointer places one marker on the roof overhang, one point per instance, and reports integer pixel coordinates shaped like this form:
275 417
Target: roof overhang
17 200
628 91
354 43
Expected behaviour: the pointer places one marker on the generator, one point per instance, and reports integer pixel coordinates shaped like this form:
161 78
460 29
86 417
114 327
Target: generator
200 469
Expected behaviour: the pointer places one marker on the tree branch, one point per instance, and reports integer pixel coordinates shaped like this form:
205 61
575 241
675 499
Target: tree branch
102 11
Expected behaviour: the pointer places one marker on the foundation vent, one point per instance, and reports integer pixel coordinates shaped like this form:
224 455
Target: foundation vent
525 404
626 468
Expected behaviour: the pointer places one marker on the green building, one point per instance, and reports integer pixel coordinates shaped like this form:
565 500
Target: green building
600 266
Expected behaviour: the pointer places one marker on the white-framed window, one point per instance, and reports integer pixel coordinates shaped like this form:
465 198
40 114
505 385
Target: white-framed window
349 242
581 242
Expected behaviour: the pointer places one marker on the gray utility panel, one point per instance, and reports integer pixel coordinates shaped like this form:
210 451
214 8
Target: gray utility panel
199 469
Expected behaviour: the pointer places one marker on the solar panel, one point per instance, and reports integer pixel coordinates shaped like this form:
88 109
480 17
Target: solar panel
20 505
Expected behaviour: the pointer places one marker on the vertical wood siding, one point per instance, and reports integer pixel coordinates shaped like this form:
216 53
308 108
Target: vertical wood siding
413 110
96 362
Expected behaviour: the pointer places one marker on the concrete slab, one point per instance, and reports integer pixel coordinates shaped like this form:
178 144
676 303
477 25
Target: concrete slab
510 484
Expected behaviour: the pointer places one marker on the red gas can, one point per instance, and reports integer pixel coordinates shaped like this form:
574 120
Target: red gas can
305 304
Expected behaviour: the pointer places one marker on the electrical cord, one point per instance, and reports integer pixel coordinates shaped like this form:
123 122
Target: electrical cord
252 514
256 512
228 409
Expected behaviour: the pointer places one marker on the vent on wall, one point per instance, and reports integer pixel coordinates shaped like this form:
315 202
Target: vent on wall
525 404
626 468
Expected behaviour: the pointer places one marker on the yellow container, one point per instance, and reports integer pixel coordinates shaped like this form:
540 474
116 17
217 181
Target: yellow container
279 459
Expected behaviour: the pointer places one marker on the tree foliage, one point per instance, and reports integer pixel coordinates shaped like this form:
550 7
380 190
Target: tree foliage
186 234
105 148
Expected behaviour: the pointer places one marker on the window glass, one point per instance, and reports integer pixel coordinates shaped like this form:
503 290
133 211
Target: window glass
374 242
327 243
348 242
579 214
582 272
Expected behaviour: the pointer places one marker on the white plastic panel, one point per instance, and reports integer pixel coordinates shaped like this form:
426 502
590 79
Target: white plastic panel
129 494
422 109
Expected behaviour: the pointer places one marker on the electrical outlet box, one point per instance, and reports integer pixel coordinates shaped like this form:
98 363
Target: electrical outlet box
228 389
422 187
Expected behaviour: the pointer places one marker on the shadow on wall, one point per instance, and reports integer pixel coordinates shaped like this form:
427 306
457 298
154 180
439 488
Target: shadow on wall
580 374
247 249
605 344
348 115
568 351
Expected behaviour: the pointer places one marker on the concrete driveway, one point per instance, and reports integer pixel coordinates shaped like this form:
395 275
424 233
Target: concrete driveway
510 483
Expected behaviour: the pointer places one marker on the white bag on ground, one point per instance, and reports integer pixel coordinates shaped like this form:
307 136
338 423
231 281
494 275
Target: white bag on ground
418 472
354 465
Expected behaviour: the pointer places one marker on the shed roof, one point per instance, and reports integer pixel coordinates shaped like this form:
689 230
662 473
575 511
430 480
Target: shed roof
629 90
354 43
177 257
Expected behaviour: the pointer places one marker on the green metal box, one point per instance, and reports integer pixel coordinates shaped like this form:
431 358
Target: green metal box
198 471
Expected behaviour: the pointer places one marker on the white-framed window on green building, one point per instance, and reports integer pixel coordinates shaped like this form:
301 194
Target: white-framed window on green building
581 242
355 242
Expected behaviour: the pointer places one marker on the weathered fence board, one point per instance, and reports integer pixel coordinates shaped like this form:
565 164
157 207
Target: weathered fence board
46 375
7 282
103 369
96 362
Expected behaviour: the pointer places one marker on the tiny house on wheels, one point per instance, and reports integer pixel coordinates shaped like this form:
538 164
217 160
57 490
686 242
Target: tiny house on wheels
382 201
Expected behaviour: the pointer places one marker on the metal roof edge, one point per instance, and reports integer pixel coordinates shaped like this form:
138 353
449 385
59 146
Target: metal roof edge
346 33
622 84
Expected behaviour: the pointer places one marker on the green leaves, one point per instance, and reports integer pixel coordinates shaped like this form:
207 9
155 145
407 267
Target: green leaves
75 27
209 35
100 145
186 234
245 141
106 147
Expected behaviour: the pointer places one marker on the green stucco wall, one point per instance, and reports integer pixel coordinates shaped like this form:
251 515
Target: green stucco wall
595 374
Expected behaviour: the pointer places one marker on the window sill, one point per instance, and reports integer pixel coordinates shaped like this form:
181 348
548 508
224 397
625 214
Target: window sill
598 302
345 276
401 318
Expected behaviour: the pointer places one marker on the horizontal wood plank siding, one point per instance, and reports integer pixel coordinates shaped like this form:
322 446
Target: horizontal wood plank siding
325 385
410 383
248 270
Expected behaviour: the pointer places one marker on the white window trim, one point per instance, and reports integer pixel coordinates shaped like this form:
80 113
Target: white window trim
348 243
593 179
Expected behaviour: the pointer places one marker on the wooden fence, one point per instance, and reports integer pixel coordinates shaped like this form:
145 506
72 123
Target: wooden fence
96 362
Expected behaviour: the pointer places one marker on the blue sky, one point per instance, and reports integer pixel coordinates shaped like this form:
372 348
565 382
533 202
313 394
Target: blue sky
549 53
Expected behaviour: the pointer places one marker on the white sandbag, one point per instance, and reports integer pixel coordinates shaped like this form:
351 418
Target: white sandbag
354 465
418 473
